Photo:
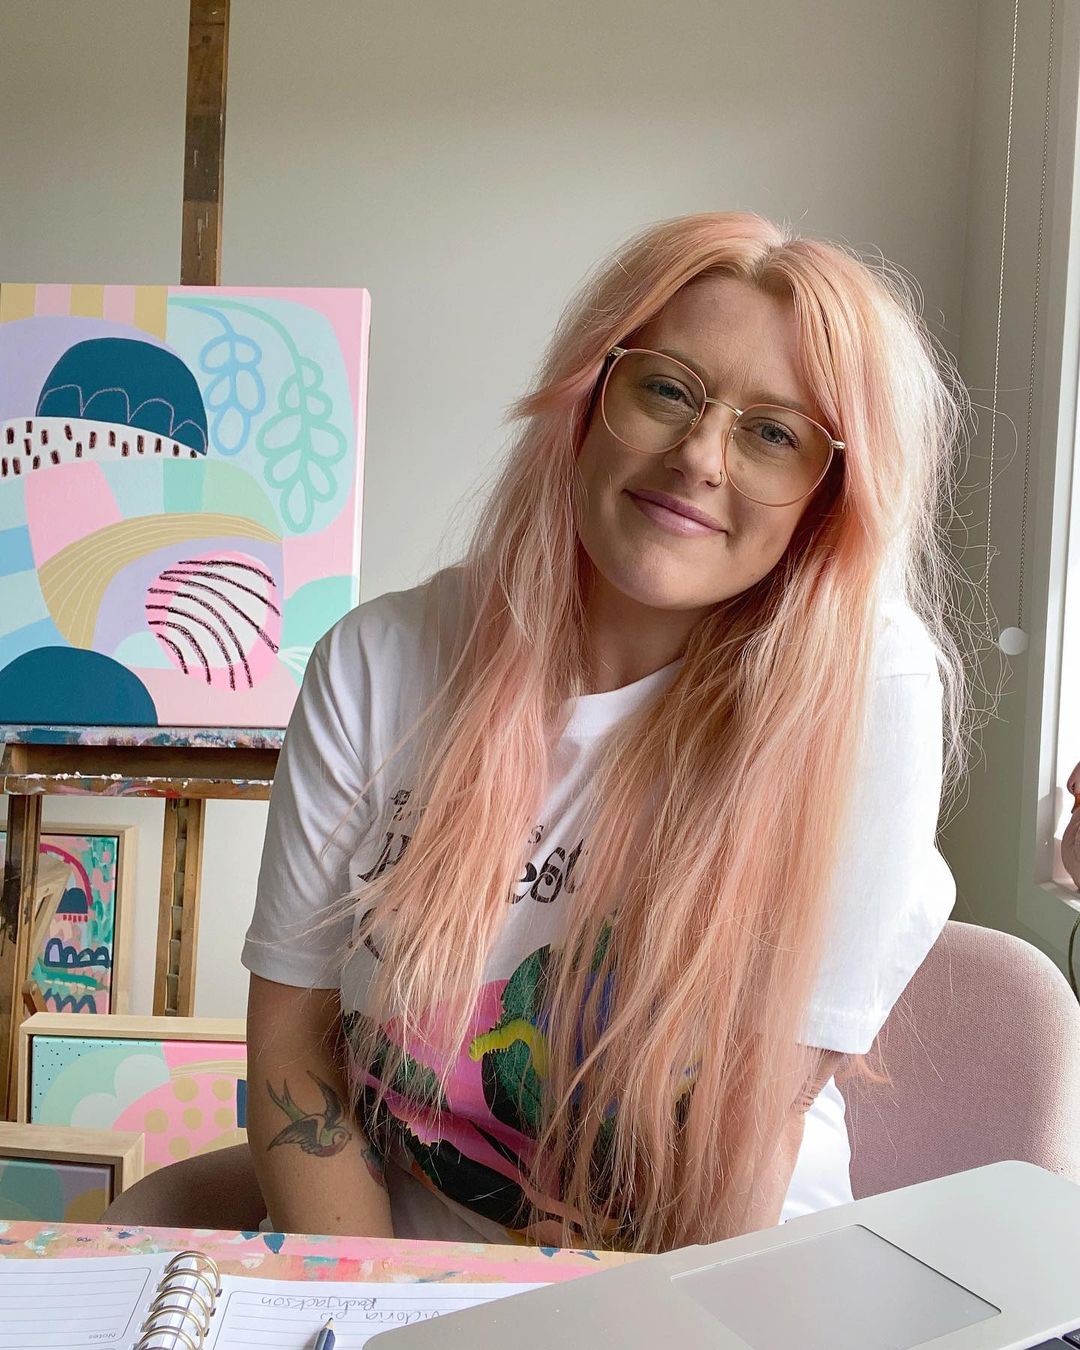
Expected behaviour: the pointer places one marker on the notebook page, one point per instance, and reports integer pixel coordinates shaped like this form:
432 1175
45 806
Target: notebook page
71 1303
287 1315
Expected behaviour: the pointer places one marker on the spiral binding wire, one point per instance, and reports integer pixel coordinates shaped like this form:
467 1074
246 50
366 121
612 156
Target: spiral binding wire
175 1299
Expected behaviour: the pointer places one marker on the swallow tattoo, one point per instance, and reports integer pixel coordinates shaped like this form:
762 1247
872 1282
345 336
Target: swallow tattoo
320 1133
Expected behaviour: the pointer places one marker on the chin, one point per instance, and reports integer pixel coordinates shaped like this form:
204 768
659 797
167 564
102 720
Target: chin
653 583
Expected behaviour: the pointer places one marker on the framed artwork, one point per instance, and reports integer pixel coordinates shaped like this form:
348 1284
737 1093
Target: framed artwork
64 1175
181 472
81 936
180 1081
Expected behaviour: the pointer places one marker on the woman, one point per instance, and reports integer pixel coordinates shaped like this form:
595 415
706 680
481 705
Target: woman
634 812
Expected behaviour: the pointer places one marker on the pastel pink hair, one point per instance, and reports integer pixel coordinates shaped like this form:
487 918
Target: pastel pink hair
719 806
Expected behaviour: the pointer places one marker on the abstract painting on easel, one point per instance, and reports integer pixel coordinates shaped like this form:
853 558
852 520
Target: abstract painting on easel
180 487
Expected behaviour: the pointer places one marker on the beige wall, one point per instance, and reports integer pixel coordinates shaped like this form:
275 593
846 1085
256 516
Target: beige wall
468 163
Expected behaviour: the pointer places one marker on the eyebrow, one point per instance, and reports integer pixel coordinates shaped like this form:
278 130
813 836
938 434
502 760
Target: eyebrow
753 399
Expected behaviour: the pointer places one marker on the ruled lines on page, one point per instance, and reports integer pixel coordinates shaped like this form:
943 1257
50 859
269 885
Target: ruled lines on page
284 1315
71 1303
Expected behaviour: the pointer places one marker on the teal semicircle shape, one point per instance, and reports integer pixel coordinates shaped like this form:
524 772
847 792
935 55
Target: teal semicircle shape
72 687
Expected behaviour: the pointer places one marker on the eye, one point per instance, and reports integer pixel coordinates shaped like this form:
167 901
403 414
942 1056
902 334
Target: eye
671 392
773 434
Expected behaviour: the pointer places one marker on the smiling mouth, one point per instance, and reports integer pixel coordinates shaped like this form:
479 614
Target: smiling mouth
670 520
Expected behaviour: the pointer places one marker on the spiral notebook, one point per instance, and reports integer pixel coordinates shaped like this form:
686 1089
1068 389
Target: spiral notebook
181 1302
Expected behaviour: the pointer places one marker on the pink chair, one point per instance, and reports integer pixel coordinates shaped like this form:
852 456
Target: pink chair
983 1054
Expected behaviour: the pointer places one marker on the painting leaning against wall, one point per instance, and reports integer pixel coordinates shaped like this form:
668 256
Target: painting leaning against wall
80 937
186 1097
180 484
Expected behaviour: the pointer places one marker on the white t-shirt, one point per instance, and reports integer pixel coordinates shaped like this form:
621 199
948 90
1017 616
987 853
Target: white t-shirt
365 683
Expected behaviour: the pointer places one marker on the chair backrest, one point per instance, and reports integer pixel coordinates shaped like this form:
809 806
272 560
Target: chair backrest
983 1056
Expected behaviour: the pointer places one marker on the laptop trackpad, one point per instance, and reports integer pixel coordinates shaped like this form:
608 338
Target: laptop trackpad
844 1290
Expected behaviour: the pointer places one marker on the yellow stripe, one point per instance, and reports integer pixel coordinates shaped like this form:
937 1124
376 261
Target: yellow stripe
150 309
226 1067
502 1038
74 582
16 301
87 301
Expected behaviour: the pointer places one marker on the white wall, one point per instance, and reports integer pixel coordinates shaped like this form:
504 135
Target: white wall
468 163
992 845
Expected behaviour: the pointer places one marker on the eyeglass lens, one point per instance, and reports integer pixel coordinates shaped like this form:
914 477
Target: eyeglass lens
774 455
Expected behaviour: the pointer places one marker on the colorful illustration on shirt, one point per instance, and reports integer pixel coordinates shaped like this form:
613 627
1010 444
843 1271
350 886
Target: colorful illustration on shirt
513 1054
475 1140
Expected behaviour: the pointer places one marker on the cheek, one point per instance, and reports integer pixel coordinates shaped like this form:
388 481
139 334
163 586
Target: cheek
762 534
602 471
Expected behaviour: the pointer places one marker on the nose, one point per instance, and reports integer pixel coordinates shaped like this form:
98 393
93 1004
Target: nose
700 457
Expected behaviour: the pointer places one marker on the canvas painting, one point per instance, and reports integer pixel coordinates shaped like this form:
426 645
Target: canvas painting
180 490
187 1097
76 935
54 1192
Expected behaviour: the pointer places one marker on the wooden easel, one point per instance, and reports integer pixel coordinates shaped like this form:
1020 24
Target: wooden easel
192 766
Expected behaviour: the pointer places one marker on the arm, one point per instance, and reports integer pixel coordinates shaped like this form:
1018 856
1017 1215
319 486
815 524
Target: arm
769 1195
316 1168
892 891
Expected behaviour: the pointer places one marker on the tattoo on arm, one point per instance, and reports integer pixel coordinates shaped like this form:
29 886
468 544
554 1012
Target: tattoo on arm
320 1133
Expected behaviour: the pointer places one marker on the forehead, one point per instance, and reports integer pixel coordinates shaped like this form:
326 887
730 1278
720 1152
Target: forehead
745 340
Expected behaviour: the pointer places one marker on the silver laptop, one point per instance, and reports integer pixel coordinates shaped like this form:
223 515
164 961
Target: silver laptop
983 1260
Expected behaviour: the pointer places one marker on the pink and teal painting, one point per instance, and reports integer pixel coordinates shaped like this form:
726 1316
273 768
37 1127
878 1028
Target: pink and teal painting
74 961
180 486
187 1097
54 1192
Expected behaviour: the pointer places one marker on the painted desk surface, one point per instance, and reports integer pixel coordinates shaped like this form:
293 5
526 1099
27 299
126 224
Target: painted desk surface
290 1256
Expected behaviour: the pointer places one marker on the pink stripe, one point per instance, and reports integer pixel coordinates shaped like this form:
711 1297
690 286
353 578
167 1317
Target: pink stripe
119 304
66 504
52 300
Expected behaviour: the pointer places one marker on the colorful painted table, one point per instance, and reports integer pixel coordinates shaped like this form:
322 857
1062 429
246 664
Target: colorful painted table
290 1256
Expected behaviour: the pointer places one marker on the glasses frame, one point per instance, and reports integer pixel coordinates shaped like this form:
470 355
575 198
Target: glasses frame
834 444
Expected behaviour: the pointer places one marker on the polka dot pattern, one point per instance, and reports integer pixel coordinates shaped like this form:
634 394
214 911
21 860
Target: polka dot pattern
195 1111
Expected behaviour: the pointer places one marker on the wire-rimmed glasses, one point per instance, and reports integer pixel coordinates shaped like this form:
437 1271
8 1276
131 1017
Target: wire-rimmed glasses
772 455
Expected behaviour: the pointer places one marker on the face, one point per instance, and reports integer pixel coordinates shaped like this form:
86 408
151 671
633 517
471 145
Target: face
744 344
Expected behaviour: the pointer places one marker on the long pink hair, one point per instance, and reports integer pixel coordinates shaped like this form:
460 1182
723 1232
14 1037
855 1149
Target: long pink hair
718 807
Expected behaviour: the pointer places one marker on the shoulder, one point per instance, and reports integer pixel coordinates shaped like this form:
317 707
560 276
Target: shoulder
372 673
905 697
904 645
397 630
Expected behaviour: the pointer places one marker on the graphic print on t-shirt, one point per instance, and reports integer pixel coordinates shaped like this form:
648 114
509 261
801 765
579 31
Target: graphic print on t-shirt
475 1140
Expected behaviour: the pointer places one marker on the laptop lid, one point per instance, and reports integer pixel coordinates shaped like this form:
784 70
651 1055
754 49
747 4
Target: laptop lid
983 1260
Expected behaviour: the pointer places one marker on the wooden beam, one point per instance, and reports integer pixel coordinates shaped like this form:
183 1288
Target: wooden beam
204 142
138 770
178 907
16 921
137 1027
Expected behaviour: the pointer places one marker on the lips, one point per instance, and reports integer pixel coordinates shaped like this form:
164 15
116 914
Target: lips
673 513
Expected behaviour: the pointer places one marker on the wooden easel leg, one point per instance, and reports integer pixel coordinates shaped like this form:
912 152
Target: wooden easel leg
204 142
200 265
16 922
178 907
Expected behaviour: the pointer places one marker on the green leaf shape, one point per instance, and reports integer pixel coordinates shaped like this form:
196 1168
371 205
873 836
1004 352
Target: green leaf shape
300 444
